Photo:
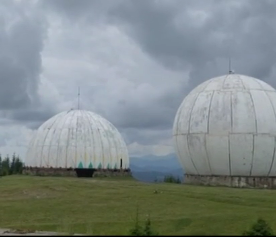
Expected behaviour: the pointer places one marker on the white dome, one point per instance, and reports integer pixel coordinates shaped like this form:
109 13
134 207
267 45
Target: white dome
77 139
227 126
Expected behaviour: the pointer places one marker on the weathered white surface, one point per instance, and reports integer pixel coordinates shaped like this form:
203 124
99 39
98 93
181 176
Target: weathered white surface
77 138
227 126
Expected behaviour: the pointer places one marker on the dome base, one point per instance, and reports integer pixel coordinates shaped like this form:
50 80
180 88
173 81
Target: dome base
232 181
38 171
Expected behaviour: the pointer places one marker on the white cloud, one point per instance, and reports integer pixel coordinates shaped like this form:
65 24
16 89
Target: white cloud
117 79
115 76
138 150
15 139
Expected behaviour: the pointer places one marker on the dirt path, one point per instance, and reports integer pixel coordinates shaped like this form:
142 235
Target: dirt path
4 232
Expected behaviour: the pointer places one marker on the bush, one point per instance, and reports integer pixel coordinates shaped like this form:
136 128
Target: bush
147 231
172 179
260 228
138 230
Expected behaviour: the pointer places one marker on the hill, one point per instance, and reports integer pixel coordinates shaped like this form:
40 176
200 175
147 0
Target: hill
155 168
108 206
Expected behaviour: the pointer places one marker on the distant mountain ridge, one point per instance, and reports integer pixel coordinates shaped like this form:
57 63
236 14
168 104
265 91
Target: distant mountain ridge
152 168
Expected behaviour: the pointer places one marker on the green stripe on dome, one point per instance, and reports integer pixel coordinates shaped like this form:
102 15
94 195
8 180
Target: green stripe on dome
80 166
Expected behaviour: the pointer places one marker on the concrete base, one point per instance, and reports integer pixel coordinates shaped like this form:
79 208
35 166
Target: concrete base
38 171
232 181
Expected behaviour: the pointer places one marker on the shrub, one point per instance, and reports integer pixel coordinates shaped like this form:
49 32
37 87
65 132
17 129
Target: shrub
138 230
172 179
260 228
148 231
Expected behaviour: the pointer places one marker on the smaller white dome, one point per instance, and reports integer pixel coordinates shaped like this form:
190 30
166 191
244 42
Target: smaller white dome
77 139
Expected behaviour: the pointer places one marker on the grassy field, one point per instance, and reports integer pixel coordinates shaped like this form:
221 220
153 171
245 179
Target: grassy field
108 206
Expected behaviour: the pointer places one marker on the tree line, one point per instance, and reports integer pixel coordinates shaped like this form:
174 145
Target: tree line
9 166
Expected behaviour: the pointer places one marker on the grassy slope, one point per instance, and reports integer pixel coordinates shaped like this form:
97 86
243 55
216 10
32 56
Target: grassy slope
105 206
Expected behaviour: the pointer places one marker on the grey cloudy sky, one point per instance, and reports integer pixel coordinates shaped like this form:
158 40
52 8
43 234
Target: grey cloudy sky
134 60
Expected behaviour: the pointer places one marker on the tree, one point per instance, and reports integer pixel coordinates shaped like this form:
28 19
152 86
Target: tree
12 167
259 228
1 173
6 166
9 167
18 165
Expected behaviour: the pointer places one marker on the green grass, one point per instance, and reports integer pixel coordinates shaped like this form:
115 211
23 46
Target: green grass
105 206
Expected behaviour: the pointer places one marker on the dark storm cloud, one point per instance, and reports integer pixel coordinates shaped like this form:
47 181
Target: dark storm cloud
243 30
22 33
20 63
174 34
33 118
92 10
149 114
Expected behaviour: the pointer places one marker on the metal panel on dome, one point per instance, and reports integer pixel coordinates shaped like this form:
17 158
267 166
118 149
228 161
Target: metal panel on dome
198 154
272 171
98 148
200 113
220 113
233 81
121 155
264 146
52 157
70 157
262 104
88 150
62 147
243 113
272 97
182 149
215 84
62 135
250 84
70 149
80 149
183 115
103 142
41 152
218 154
114 151
49 143
241 154
108 152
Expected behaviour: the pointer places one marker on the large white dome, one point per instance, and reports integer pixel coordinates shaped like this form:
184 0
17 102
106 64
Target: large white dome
227 126
77 139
